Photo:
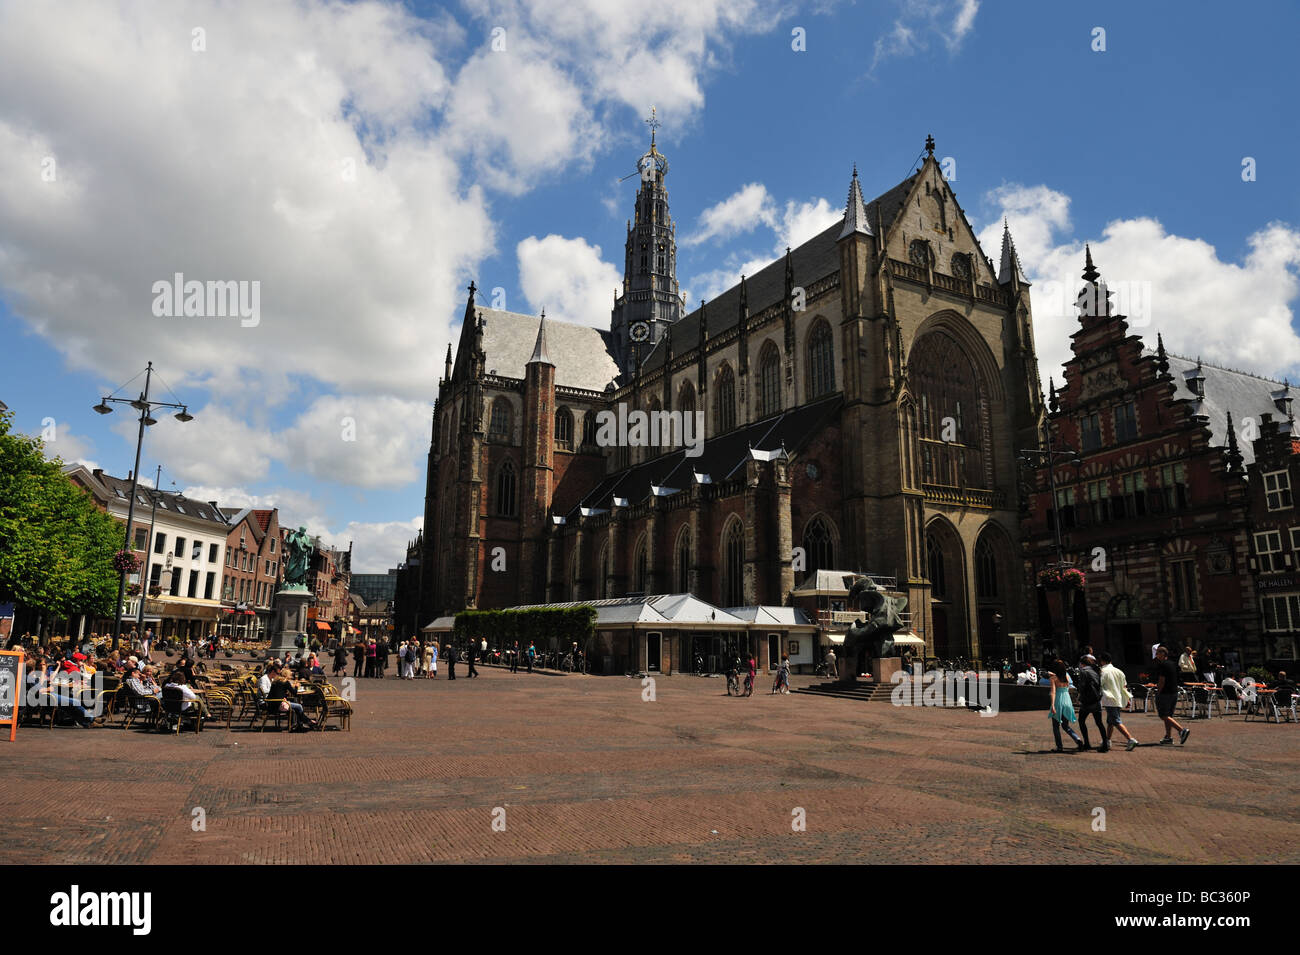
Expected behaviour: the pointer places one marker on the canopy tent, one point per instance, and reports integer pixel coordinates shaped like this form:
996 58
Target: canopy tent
441 625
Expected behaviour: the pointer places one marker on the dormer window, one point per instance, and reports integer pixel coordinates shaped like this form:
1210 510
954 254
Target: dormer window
1282 400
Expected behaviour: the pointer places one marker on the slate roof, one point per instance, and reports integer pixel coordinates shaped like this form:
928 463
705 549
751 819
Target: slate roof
674 609
1245 395
817 257
782 616
721 458
166 502
583 356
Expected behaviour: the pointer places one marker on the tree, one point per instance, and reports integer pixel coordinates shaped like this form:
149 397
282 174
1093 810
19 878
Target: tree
56 546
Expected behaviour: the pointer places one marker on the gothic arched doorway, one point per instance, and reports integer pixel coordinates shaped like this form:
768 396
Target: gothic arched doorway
946 570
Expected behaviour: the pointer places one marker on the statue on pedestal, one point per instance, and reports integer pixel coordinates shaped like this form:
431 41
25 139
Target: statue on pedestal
298 548
874 632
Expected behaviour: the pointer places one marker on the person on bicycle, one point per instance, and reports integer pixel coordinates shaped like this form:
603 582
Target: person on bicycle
733 679
752 671
782 684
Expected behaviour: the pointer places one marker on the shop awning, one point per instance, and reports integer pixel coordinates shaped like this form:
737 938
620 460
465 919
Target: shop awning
322 625
909 639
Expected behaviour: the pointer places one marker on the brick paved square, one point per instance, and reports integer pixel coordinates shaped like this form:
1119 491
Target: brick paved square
581 769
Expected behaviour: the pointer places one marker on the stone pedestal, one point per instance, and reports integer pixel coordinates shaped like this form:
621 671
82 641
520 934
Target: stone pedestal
290 619
884 668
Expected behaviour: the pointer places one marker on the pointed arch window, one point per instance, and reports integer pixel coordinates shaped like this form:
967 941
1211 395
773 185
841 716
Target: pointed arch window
686 399
564 429
724 401
507 502
769 381
819 546
499 425
602 573
733 565
641 568
589 428
684 563
821 361
986 570
934 565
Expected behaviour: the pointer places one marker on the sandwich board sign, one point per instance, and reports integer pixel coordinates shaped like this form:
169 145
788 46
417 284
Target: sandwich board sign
11 685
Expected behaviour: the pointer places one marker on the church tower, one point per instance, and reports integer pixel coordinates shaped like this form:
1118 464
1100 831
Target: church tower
651 299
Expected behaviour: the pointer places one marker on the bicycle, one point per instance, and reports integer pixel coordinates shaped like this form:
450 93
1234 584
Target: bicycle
822 669
699 665
733 683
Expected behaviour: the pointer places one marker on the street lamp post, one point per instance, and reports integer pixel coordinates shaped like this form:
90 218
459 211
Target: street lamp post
1047 455
145 407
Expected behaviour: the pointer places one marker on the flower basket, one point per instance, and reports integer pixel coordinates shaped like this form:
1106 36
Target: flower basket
133 590
1067 578
125 562
155 591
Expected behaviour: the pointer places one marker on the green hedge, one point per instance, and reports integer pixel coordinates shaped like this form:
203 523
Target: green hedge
546 626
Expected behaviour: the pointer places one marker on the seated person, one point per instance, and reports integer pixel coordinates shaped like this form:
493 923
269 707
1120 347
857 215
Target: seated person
283 689
177 681
264 681
142 683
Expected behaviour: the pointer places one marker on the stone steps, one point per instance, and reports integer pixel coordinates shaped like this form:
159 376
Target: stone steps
863 691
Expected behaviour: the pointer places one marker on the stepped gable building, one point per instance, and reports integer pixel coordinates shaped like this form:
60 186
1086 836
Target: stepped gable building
1275 529
862 398
1157 513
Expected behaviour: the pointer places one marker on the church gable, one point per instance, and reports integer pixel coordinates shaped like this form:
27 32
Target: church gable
932 230
583 356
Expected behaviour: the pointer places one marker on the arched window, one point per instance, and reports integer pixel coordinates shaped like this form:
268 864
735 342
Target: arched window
589 429
686 399
641 568
645 259
564 429
934 563
602 573
821 361
769 381
733 564
819 546
684 562
499 426
506 497
953 436
724 401
986 570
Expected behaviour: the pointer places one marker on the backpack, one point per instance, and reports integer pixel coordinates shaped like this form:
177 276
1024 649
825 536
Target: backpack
300 642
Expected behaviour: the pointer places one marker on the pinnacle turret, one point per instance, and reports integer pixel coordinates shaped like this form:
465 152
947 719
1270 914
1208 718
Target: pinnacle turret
1009 271
855 210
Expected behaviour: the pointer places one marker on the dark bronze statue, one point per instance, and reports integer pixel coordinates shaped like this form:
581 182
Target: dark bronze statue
874 632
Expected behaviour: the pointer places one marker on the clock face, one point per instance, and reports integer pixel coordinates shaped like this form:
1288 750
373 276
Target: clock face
640 332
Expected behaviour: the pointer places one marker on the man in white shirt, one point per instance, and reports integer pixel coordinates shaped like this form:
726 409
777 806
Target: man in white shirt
1114 697
1154 647
177 682
264 681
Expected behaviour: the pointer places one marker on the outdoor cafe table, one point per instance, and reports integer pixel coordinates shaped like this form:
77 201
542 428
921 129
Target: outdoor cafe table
1213 694
1263 696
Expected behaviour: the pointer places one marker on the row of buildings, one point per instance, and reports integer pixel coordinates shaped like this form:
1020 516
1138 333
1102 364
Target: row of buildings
211 570
871 404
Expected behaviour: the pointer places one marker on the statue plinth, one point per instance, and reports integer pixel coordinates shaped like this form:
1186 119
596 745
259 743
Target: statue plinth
884 668
290 618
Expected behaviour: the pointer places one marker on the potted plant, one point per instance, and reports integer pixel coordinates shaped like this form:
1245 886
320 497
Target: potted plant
125 562
1062 578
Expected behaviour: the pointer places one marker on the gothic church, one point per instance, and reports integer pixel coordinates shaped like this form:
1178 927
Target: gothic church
864 398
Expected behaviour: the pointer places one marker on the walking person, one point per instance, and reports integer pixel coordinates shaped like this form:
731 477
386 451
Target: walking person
832 665
514 658
372 649
382 649
1187 666
1167 673
751 672
432 650
1089 686
1114 697
358 658
426 659
450 654
340 659
473 654
531 655
1062 711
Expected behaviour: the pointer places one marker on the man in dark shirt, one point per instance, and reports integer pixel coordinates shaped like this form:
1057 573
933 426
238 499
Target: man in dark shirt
473 654
1089 686
1167 676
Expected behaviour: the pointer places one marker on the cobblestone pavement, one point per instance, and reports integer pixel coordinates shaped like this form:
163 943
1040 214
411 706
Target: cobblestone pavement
581 769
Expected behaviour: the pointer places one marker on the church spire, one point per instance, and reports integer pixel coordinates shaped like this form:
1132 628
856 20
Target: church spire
855 210
1162 360
1094 298
540 354
1009 272
1234 453
448 375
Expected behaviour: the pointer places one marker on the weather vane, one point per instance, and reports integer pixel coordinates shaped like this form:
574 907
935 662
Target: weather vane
653 122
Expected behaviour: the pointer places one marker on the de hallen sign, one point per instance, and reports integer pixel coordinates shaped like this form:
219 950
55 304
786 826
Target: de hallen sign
1277 582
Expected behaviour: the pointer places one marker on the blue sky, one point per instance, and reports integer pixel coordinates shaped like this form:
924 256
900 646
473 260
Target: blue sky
224 155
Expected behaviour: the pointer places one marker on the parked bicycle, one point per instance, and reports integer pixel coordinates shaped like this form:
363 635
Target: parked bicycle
733 682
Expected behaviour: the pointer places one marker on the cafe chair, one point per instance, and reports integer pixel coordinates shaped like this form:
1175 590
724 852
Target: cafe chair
175 714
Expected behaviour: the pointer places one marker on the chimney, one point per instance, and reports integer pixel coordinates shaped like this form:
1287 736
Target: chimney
214 505
97 472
